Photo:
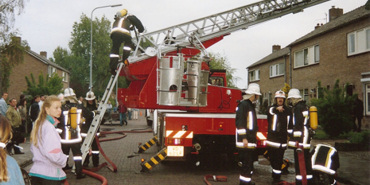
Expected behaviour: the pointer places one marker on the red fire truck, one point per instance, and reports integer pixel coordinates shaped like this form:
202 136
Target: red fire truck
194 108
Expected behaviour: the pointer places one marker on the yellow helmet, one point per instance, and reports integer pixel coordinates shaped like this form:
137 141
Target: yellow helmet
121 13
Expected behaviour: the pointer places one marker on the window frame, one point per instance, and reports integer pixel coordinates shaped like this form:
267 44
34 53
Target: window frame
64 76
358 41
51 70
307 56
277 69
256 73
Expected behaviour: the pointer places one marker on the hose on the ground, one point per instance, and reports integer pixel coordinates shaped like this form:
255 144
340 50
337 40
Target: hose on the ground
102 179
216 178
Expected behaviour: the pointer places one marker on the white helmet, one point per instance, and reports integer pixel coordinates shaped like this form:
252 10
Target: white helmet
90 95
279 94
253 88
69 92
294 93
61 96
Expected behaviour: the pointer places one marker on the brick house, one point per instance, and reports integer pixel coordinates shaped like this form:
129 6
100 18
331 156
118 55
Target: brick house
339 49
36 64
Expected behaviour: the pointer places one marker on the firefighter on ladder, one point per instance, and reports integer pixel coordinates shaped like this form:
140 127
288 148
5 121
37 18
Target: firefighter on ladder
246 130
278 118
300 132
91 105
69 128
120 33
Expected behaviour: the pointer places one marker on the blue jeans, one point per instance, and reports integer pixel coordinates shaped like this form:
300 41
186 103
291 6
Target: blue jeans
122 118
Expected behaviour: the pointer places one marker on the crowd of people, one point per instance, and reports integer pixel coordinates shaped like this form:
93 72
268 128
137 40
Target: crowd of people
53 134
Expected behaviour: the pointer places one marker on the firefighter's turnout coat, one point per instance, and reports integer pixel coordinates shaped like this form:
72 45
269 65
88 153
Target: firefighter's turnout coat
86 125
277 137
246 124
246 128
67 134
127 23
299 126
278 126
120 33
71 137
325 158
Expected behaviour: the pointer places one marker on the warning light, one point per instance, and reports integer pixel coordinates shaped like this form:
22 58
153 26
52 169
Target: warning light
142 160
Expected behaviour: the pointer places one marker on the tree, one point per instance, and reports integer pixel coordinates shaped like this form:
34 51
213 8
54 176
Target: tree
77 60
11 52
219 62
334 110
10 55
8 9
50 85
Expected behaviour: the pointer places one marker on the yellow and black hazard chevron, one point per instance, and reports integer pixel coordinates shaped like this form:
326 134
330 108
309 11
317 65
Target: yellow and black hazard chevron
155 160
148 144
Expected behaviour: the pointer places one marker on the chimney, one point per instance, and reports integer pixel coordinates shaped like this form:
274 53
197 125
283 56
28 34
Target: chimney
44 54
335 13
276 48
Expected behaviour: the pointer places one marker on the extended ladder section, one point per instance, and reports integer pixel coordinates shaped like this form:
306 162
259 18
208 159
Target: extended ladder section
192 33
86 145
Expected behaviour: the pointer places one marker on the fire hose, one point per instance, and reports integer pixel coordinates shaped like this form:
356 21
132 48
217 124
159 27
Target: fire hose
112 167
216 178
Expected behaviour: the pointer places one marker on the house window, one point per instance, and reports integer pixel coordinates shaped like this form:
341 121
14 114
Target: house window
305 94
65 77
277 70
317 54
51 70
350 89
307 56
254 75
358 41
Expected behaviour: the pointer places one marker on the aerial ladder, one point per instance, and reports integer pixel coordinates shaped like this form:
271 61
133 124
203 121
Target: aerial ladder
193 35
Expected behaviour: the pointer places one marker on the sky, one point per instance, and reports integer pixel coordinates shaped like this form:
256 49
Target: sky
48 24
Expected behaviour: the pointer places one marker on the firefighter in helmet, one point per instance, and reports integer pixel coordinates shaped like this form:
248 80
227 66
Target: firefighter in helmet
69 128
90 104
246 130
120 33
325 159
300 133
278 118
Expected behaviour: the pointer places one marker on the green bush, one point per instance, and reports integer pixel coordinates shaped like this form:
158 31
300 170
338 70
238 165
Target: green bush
334 110
320 134
359 137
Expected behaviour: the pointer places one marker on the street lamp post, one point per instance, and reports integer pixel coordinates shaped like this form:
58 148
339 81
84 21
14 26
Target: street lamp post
91 53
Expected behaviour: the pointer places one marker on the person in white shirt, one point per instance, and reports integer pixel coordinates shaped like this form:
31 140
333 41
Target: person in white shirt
3 104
